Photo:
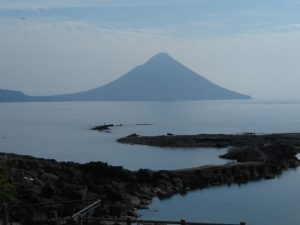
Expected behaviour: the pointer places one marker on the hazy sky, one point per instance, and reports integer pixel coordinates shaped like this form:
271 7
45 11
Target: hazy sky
63 46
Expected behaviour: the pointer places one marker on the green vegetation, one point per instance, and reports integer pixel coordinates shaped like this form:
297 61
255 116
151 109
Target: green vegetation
7 188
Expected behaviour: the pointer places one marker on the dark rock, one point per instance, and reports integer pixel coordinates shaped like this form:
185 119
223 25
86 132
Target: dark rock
213 140
162 175
102 127
145 175
274 152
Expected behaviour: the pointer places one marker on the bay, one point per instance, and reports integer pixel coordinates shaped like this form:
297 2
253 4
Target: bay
62 131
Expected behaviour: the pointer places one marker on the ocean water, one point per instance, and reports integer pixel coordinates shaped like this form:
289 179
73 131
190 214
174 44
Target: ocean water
62 131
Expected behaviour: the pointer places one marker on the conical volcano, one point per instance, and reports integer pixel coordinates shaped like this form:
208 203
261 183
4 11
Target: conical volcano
161 78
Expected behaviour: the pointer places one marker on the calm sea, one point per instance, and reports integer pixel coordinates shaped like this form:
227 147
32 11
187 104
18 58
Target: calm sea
62 131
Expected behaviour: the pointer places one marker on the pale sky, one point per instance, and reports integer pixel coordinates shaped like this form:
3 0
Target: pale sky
64 46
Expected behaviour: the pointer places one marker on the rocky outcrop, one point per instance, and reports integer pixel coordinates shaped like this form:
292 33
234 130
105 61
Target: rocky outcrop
123 192
213 140
267 153
102 127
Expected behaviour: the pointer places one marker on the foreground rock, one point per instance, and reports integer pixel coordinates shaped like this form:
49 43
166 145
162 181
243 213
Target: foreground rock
123 191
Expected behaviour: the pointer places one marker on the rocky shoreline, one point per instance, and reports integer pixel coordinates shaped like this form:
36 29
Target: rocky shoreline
123 192
213 140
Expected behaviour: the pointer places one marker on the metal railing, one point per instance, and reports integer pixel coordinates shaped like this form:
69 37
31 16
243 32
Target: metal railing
81 218
40 213
129 221
79 215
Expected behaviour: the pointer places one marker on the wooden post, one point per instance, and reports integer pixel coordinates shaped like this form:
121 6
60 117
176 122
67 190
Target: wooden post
182 222
10 219
80 220
242 223
128 221
5 219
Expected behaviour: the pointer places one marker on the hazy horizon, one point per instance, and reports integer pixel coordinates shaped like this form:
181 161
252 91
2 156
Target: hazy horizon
56 47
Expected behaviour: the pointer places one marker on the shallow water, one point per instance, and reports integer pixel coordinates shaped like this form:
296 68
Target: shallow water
273 202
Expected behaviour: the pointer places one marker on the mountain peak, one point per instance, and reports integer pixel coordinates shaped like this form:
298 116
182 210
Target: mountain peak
161 57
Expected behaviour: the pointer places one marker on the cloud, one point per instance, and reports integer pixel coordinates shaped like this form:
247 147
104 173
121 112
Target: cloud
50 4
196 18
46 27
47 4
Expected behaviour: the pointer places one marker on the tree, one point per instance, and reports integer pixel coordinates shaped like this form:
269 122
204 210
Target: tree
7 188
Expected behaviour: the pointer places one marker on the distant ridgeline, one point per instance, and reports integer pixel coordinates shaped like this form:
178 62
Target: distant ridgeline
13 96
161 78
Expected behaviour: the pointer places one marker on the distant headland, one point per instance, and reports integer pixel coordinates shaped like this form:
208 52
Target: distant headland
161 78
